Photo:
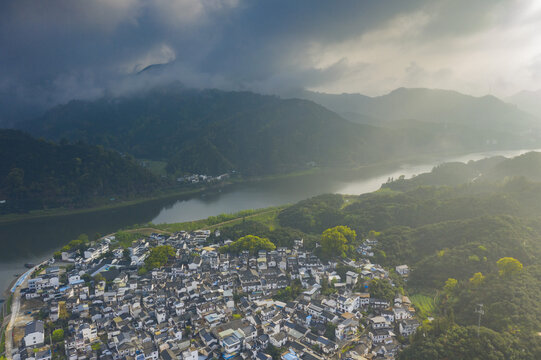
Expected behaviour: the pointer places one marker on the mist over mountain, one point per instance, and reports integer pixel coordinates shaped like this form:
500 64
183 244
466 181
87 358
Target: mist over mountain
213 131
529 101
494 169
429 105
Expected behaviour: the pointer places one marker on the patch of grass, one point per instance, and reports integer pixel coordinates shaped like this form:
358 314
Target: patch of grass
8 304
156 167
266 216
424 304
2 335
125 239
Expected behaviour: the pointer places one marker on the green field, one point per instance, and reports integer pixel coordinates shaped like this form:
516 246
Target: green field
266 216
156 167
424 305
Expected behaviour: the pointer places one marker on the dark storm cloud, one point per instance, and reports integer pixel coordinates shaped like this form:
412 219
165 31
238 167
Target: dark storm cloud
53 51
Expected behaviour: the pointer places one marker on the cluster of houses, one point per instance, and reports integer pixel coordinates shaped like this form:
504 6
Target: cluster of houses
208 305
201 178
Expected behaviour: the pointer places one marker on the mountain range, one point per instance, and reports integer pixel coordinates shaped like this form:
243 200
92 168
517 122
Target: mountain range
529 101
428 105
214 131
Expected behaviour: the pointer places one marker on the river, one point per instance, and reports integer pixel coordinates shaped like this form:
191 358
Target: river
32 240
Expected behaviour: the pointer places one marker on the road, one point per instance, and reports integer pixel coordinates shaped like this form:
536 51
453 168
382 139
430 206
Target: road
15 307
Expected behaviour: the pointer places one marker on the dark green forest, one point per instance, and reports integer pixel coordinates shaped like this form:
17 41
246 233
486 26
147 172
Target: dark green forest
38 174
213 131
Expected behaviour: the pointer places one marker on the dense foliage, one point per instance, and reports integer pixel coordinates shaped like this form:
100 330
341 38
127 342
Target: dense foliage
433 342
491 169
213 131
158 257
334 241
281 237
289 292
381 289
315 214
36 174
248 243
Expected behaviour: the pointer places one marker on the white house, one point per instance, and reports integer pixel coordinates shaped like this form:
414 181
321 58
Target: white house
408 327
403 270
74 279
34 333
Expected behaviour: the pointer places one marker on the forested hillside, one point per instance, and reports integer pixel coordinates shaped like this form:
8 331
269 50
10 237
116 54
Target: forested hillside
212 131
494 169
428 105
36 174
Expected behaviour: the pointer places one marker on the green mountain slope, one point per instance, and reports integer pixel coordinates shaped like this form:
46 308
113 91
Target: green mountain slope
487 118
36 174
212 131
529 101
494 169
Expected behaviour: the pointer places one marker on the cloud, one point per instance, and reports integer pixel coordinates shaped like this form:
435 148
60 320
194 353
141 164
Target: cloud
58 50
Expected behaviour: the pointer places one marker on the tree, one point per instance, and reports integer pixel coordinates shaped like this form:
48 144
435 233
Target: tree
159 256
273 351
249 242
62 310
334 241
477 279
83 238
58 335
381 289
330 329
450 285
509 266
126 255
15 179
372 234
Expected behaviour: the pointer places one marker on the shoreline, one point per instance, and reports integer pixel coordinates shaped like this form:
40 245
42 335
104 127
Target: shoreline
383 165
35 214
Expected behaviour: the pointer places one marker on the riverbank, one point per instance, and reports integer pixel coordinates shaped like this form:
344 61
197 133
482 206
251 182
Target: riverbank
31 239
345 173
164 195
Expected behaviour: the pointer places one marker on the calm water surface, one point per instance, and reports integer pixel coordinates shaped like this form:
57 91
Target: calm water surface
33 240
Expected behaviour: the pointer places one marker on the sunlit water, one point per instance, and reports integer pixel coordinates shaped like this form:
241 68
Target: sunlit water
35 239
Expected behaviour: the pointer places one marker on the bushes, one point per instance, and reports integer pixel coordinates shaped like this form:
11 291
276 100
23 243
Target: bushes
250 243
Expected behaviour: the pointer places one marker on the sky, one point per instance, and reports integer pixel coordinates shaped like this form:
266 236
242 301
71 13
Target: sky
57 50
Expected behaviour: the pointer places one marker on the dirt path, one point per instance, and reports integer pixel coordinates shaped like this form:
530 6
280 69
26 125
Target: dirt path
244 217
15 308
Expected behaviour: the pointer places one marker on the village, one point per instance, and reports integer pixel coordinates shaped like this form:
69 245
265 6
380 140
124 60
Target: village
285 304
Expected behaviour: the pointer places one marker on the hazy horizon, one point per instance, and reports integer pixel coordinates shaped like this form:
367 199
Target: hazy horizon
61 50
